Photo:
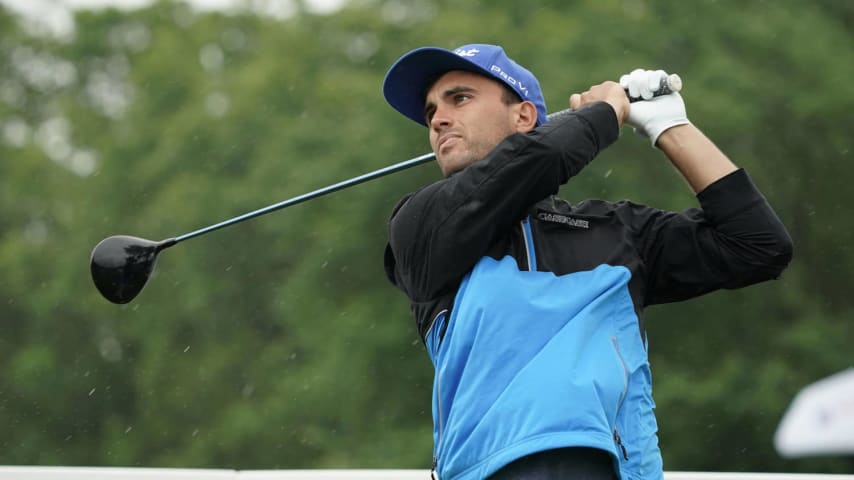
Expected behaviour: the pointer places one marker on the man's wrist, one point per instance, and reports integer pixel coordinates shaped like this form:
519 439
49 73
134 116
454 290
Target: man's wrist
605 121
672 137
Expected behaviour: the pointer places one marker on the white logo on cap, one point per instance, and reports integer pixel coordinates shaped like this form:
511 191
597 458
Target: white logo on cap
467 53
510 80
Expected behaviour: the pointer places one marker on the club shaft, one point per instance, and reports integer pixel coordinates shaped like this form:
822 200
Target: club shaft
310 195
668 85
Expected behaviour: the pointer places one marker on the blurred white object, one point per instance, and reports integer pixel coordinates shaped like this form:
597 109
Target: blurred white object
820 420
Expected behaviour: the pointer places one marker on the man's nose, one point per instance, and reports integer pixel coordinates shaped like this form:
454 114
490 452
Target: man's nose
440 119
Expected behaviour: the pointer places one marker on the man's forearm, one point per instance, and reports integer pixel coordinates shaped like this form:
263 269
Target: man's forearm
695 156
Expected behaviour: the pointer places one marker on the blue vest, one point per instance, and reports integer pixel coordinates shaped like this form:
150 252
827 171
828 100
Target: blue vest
532 361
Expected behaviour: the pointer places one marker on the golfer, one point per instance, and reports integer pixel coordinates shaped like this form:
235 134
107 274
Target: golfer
531 307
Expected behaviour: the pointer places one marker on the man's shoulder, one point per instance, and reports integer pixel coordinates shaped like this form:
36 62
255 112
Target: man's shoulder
589 206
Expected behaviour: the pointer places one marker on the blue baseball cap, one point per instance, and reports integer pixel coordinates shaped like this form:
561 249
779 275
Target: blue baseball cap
407 81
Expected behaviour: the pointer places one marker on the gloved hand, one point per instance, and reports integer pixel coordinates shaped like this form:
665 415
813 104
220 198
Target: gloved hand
651 116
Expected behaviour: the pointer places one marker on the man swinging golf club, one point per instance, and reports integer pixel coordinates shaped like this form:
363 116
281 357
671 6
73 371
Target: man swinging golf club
530 307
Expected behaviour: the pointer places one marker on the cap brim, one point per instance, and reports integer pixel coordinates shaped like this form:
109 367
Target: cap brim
407 80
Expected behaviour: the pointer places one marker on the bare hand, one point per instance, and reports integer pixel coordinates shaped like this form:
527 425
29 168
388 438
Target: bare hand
610 92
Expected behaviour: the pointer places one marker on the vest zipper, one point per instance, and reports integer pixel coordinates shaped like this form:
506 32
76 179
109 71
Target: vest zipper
434 475
528 237
432 323
620 444
617 438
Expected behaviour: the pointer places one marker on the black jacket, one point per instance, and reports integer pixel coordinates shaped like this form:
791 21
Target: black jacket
438 233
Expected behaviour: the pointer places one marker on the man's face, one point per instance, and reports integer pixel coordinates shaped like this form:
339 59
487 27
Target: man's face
467 118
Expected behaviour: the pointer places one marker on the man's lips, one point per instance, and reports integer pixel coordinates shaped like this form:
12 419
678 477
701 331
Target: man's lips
445 139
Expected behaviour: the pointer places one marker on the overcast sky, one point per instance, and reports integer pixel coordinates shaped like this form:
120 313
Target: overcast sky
55 15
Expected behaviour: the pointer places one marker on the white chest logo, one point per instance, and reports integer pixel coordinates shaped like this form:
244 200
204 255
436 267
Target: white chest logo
556 218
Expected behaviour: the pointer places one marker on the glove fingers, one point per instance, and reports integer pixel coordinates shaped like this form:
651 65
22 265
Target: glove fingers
634 81
653 80
645 85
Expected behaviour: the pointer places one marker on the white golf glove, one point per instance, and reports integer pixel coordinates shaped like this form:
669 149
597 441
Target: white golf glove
651 116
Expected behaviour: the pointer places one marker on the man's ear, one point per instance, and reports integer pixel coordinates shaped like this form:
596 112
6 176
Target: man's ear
527 118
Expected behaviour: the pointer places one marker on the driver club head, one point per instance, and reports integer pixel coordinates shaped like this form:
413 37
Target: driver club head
121 265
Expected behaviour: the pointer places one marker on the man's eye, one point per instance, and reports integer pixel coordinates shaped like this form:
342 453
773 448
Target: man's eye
461 97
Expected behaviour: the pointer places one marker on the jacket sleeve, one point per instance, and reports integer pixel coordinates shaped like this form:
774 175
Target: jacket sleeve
733 240
437 234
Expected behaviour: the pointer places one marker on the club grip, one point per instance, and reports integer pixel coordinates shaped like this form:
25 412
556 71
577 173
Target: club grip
669 84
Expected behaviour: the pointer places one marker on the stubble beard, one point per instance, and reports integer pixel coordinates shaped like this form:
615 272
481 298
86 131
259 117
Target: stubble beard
462 156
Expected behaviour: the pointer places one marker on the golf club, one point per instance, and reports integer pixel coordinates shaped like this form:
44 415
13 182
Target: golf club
121 264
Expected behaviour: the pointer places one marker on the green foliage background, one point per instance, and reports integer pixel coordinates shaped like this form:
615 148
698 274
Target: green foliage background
279 343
